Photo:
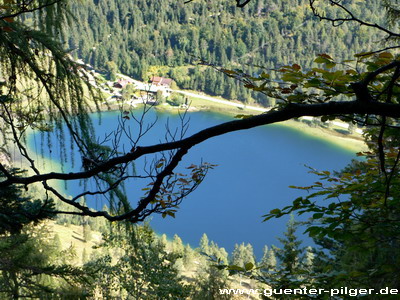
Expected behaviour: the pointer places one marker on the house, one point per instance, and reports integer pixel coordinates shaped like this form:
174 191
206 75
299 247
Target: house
121 83
161 81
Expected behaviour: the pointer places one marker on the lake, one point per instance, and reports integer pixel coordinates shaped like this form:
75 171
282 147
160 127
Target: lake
255 168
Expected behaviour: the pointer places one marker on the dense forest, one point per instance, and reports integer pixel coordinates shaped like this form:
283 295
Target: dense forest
169 38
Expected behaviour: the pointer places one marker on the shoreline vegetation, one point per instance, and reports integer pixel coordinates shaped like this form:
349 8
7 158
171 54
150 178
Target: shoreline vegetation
335 134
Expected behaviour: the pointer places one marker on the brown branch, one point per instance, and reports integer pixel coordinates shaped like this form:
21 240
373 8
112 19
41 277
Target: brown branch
4 171
361 88
141 211
112 186
137 214
238 3
242 4
379 71
389 179
381 149
291 111
351 18
25 10
378 51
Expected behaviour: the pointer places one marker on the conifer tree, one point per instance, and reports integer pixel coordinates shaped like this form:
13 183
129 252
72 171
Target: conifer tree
291 271
243 254
143 269
204 244
208 283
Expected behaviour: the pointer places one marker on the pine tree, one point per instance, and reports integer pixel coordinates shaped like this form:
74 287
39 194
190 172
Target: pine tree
291 272
31 267
208 283
177 245
242 255
268 260
87 232
290 255
143 270
204 244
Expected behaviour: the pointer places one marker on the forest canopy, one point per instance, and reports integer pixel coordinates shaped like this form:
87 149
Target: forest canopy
168 38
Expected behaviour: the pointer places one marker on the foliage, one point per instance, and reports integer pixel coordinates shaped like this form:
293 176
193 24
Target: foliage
127 92
268 261
292 271
140 268
289 267
43 86
210 280
31 265
359 222
176 99
172 36
243 255
17 209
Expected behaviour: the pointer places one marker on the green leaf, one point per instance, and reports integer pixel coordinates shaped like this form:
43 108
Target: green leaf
235 268
364 54
356 274
314 82
318 215
319 70
313 231
275 211
330 65
292 77
249 266
321 60
170 213
387 55
229 72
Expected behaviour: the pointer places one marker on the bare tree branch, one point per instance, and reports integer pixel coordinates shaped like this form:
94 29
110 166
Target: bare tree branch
23 9
291 111
351 18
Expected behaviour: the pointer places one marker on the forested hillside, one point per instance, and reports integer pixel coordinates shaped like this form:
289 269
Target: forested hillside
168 38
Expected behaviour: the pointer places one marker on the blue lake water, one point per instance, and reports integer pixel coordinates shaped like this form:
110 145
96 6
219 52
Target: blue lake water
255 168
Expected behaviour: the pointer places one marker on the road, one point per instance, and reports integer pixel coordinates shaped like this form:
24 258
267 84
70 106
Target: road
226 102
142 85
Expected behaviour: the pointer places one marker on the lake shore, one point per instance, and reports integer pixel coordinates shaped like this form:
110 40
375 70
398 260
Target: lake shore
198 102
335 133
354 142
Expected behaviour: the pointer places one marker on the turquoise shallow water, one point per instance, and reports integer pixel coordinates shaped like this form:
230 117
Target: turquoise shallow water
255 168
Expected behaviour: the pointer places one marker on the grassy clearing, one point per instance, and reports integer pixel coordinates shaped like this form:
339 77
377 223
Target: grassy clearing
72 237
206 105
